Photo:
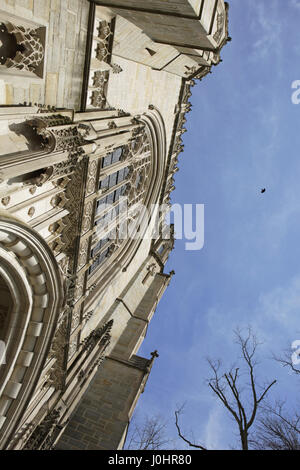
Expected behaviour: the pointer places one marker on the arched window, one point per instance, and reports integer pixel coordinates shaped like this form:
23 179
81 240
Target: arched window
123 184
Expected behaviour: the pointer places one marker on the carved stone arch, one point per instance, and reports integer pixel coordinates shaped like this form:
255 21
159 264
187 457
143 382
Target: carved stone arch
34 293
155 130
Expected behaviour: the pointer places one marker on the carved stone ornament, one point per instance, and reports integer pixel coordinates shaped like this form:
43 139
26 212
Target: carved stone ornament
104 33
33 190
21 48
98 99
40 439
31 211
73 347
100 79
83 252
100 335
5 200
88 210
220 27
57 351
116 68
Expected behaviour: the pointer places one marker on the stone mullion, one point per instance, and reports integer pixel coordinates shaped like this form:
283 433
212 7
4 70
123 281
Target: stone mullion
107 193
74 262
131 160
110 170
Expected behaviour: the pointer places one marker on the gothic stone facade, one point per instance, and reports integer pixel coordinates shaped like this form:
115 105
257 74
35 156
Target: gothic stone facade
94 96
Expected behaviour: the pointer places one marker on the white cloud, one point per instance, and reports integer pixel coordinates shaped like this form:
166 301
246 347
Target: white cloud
282 304
267 29
213 429
275 317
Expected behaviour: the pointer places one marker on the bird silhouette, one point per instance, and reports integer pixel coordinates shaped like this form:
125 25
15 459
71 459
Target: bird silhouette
263 190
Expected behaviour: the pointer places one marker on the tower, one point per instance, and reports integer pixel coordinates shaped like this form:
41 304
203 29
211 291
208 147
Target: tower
86 176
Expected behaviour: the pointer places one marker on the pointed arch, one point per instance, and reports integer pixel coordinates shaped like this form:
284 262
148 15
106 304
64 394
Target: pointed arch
31 279
154 129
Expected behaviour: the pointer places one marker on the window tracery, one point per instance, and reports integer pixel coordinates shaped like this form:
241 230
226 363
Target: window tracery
123 183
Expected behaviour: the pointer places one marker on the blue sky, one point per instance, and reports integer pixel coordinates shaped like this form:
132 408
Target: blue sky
243 135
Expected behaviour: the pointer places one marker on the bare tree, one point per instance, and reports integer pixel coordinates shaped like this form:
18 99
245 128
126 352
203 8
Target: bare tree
242 401
185 439
286 361
148 434
277 430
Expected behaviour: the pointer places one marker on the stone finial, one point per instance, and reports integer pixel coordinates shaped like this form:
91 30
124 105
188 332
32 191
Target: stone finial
154 354
116 68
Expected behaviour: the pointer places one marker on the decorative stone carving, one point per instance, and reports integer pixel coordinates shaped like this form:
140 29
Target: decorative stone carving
64 265
22 48
31 211
220 27
87 217
75 317
116 68
32 190
59 200
100 79
82 259
54 133
58 351
22 435
5 200
100 335
102 53
79 286
104 33
98 100
112 125
41 438
90 186
73 347
87 316
74 192
151 271
122 113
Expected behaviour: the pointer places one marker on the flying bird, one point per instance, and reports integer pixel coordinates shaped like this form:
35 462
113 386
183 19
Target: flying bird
263 190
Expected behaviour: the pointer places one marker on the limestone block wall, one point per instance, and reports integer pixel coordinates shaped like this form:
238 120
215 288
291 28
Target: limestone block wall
131 42
182 7
123 297
100 420
178 38
102 416
144 86
66 29
142 309
193 23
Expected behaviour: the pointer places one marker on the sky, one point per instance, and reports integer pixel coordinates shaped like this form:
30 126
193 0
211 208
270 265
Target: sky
243 135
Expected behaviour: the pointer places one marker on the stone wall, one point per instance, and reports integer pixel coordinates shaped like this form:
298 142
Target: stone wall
66 22
101 419
144 86
180 7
